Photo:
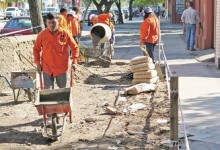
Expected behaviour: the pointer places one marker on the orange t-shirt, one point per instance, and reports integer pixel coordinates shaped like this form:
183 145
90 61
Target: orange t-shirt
62 21
149 30
51 51
104 18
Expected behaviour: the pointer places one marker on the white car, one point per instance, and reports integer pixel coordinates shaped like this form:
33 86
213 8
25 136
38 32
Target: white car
52 10
12 12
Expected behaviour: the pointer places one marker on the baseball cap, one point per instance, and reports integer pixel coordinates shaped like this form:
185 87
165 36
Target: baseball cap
148 10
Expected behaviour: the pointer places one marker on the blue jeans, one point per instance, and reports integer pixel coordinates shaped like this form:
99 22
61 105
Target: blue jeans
150 50
190 35
49 81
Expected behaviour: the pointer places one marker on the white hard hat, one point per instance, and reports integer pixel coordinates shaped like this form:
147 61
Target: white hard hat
148 10
91 16
71 13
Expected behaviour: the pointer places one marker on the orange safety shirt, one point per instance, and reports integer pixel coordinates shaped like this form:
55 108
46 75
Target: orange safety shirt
104 18
62 21
149 30
51 51
75 27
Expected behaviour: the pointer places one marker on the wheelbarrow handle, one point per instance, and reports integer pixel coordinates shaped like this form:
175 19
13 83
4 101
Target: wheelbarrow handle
71 77
41 79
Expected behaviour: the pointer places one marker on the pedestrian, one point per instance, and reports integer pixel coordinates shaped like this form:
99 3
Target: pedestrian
149 31
62 18
51 53
190 18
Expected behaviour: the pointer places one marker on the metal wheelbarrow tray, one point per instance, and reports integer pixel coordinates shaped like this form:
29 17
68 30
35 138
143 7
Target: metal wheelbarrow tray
26 80
51 103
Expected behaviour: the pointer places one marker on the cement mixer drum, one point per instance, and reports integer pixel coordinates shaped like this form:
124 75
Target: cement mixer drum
100 33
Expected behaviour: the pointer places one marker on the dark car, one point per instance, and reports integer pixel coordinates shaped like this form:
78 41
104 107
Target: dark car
18 26
93 11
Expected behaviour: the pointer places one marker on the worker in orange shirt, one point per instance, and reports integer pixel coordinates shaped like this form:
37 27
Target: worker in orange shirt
93 18
106 19
149 31
78 19
73 25
62 18
51 53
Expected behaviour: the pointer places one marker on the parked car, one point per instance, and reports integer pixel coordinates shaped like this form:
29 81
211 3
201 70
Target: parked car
24 12
126 13
16 24
12 12
52 10
93 11
2 14
115 17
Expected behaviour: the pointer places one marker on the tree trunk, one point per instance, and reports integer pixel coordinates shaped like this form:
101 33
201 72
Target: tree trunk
73 2
121 21
105 3
130 9
36 16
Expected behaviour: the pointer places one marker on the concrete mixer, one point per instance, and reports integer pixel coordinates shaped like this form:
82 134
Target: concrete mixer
100 34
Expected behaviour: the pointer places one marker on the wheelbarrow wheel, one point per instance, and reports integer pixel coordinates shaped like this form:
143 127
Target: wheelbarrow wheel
54 125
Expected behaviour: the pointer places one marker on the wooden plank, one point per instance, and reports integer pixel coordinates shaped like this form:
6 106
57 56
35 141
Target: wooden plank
174 95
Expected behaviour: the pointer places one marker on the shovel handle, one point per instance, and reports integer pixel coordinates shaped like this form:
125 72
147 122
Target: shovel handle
144 50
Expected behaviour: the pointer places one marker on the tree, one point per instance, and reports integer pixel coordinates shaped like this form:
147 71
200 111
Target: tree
130 9
103 4
118 4
142 3
36 16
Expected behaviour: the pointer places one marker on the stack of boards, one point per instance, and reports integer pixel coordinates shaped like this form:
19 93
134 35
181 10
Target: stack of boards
143 70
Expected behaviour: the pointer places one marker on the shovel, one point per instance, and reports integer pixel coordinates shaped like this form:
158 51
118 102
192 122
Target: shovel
157 66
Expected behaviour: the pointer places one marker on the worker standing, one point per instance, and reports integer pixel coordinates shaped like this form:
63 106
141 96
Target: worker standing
51 53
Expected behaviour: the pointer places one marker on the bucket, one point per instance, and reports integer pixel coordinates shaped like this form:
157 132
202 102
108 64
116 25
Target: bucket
100 33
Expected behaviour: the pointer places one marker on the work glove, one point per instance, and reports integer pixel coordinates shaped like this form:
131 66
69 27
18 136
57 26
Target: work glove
74 66
39 68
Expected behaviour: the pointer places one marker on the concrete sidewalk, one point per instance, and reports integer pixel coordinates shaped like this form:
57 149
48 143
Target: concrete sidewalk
199 84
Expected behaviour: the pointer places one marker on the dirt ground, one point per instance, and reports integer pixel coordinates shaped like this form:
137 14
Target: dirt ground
92 128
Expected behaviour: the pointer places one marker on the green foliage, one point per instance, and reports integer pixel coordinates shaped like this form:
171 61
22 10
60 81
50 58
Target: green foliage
142 3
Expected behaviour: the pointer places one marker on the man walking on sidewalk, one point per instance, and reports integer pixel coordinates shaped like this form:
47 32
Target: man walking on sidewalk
190 18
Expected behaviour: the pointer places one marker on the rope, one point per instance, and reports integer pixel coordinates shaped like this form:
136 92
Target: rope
1 35
184 127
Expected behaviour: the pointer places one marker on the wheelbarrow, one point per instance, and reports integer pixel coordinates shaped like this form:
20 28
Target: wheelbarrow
25 80
54 104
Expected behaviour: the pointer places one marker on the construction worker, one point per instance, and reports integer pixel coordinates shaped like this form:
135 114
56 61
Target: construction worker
62 18
106 19
149 32
51 53
73 25
78 19
93 18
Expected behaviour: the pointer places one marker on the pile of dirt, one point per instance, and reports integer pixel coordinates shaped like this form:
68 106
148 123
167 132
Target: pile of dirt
10 61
